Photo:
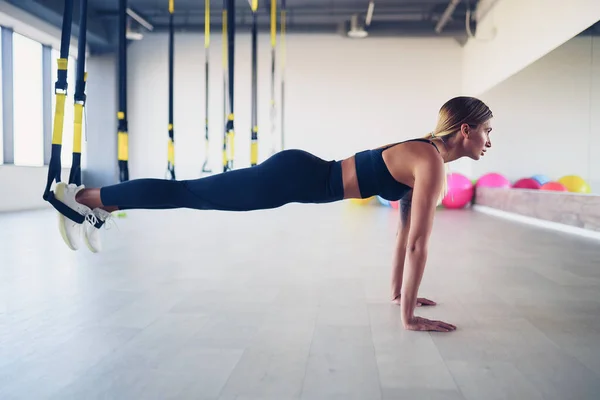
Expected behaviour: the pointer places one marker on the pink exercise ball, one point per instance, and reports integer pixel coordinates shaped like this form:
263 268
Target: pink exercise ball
493 180
460 191
527 183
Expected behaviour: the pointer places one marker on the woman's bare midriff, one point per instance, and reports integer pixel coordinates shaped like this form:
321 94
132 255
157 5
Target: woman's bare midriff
349 178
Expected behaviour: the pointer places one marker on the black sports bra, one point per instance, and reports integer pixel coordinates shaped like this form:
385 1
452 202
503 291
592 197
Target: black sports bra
373 176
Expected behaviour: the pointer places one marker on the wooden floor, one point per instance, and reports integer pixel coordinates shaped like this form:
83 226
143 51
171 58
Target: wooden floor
293 303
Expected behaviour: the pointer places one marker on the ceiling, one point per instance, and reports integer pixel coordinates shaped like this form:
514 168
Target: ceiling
409 18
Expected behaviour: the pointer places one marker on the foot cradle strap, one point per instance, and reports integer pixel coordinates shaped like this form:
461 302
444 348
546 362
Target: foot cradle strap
69 212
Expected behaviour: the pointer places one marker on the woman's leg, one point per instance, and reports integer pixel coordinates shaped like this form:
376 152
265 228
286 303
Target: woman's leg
288 176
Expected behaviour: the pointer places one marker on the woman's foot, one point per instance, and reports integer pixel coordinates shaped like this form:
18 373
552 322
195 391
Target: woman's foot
86 202
70 230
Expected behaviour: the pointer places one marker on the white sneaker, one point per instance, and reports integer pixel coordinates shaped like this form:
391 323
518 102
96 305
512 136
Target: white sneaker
92 234
70 230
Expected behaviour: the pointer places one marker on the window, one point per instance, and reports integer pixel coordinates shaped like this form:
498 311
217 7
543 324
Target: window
28 102
66 155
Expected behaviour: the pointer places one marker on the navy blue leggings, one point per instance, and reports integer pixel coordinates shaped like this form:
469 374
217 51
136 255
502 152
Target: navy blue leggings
290 176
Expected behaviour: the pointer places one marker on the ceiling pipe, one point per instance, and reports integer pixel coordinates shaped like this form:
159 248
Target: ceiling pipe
136 17
370 13
446 15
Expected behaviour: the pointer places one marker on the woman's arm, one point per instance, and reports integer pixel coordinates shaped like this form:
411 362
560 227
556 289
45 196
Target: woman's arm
429 175
400 252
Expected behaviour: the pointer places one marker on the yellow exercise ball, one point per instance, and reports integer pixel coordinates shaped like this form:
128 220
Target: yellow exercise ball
361 201
575 184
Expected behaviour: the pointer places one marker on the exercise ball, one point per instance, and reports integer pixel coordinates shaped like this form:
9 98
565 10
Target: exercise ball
527 183
460 191
383 201
493 180
554 187
541 179
575 184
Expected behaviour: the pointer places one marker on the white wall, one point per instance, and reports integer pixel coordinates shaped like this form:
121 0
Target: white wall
515 33
342 96
547 117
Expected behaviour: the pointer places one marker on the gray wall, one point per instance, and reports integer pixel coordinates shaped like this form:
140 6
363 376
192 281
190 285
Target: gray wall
101 168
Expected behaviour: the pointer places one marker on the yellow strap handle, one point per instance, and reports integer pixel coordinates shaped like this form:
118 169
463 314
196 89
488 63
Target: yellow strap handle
171 6
77 128
273 23
206 23
123 153
62 63
171 153
254 149
254 5
59 117
123 141
230 139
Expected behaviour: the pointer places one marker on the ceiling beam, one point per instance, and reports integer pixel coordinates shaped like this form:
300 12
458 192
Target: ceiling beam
377 29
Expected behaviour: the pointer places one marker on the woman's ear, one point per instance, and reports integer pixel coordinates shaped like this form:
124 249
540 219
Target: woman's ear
464 130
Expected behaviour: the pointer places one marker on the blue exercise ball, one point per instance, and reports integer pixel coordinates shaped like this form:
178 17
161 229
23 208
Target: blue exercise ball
541 179
383 201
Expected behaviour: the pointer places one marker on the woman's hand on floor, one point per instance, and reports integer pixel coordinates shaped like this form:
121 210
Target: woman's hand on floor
424 324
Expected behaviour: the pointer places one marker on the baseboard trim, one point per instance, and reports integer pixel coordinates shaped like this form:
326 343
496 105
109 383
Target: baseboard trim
587 233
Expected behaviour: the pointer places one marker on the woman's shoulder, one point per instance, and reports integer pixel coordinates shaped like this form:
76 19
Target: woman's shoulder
420 147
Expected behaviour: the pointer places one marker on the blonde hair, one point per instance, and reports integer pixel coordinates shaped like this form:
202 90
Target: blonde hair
455 112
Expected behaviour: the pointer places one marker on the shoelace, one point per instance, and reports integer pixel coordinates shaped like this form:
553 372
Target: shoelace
108 222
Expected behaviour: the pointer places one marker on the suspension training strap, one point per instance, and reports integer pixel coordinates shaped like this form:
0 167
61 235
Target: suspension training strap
60 92
229 151
171 148
283 32
80 97
273 44
122 129
228 145
206 166
224 58
254 131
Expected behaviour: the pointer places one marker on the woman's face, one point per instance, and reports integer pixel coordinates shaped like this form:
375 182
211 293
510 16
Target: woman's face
477 139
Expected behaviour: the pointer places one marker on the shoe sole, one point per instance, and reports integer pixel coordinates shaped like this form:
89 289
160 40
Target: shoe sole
89 246
59 193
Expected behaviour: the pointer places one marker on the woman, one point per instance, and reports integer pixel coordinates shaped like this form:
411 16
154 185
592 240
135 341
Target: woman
411 171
